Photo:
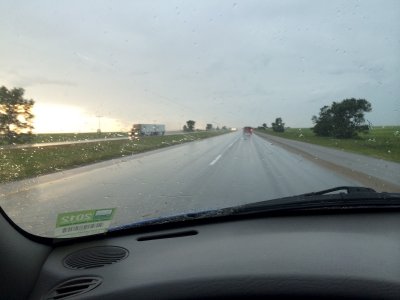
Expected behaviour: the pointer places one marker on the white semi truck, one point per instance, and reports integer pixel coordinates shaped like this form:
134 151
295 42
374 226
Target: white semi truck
147 129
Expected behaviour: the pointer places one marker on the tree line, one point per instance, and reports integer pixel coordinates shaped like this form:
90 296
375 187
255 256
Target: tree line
190 126
344 119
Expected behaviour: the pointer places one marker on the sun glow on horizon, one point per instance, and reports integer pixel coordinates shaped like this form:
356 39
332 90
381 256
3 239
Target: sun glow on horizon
56 118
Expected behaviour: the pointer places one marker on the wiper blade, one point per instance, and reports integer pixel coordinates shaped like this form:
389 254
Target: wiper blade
176 218
348 189
355 197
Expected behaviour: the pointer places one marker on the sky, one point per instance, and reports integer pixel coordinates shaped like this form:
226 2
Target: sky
229 63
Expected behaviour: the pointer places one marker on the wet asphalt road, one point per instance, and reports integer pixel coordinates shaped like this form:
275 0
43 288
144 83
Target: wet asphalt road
218 172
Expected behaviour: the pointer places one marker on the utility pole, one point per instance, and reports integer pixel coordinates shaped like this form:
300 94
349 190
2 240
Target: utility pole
99 128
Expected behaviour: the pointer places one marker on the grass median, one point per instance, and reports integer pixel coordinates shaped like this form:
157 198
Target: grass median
70 137
381 142
16 164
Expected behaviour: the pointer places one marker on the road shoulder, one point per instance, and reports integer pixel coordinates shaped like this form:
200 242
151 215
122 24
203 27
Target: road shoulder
376 173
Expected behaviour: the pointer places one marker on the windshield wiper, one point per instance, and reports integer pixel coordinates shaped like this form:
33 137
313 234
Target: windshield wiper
348 189
177 218
355 197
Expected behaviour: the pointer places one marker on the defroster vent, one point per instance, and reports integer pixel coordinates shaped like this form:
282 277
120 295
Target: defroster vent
73 287
95 257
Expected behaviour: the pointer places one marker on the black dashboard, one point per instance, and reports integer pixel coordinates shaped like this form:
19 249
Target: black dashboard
354 255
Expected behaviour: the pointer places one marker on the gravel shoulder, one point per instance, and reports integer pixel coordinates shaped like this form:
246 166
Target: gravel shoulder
379 174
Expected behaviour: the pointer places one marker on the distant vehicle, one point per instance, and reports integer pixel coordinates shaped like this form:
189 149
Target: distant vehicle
147 130
248 130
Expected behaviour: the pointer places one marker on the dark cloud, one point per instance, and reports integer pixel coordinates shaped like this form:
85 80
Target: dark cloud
178 59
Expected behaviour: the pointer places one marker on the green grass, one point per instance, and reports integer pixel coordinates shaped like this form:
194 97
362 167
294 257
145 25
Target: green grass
69 137
29 162
381 142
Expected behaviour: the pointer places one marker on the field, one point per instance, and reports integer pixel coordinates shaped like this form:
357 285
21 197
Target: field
70 137
28 162
381 142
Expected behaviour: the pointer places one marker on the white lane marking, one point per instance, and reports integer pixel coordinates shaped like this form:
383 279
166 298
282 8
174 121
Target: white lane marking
219 156
215 160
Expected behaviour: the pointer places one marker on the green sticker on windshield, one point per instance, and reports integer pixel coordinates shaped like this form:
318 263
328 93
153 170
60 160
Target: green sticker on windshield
84 222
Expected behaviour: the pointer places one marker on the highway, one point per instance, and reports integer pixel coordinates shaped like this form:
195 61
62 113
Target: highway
218 172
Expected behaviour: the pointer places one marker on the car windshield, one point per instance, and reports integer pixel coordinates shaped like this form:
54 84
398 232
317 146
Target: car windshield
113 113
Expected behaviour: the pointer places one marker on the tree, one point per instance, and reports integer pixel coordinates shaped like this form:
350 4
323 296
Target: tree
15 115
209 126
278 125
342 119
190 125
323 123
185 128
262 127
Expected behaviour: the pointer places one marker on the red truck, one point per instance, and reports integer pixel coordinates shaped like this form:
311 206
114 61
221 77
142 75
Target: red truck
248 130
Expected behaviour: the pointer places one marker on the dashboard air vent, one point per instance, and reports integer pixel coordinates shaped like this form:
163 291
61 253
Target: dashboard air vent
73 287
95 257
